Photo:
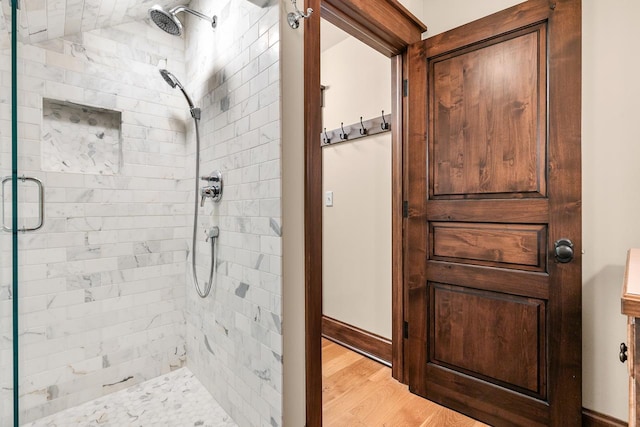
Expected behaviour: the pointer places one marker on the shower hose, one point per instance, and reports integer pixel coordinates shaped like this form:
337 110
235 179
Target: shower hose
207 286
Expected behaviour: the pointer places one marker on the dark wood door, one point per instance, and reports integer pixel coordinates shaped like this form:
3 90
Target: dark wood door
493 181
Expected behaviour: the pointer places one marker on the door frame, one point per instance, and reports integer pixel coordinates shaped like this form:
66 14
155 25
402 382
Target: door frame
389 28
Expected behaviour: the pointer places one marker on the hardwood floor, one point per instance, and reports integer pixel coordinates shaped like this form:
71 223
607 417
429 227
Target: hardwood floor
358 392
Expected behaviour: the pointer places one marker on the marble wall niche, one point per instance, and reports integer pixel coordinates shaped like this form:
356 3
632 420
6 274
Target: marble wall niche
81 139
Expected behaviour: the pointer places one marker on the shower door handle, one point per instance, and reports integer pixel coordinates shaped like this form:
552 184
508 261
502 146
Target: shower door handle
40 204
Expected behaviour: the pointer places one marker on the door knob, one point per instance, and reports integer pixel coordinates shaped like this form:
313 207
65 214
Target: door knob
623 352
564 250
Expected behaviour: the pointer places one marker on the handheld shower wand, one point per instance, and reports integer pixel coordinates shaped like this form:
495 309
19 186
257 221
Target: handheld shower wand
213 191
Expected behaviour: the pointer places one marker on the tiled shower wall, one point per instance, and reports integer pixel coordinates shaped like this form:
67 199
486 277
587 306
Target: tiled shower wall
234 337
102 284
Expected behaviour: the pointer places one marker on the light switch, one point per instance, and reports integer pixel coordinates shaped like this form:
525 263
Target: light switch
328 199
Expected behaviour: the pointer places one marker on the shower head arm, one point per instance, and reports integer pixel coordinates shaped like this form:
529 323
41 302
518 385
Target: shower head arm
181 8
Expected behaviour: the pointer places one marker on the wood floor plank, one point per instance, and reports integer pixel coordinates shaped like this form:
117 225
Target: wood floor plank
352 377
358 391
335 363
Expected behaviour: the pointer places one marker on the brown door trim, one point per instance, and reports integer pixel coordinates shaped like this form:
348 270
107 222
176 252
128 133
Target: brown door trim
389 28
397 288
313 218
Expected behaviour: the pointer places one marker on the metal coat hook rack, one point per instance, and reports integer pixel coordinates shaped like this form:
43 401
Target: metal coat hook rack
358 130
293 18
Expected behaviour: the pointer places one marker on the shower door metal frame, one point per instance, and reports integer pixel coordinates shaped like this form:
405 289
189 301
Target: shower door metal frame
14 207
389 28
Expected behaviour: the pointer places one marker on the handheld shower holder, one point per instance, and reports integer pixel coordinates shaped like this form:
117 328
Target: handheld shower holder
212 233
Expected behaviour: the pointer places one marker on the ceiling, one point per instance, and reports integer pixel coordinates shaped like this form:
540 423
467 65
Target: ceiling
40 20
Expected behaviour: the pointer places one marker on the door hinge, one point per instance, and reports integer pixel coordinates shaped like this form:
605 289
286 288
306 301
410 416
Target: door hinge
405 209
405 87
405 330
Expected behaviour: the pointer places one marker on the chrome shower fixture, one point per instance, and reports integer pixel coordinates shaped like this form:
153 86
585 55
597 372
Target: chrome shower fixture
170 79
212 191
293 18
168 22
174 82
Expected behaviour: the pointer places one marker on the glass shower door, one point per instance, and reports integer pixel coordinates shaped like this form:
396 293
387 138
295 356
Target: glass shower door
7 288
102 283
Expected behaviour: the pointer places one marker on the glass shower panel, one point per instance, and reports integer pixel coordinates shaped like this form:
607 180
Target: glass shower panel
6 276
102 283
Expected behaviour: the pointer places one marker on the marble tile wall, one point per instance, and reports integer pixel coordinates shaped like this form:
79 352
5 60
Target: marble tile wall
5 238
103 283
234 337
5 24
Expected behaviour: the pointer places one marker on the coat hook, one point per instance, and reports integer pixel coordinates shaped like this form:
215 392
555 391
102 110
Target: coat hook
384 125
363 131
293 18
327 140
343 136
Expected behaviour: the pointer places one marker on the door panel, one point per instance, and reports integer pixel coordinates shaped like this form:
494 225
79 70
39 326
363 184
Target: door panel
493 158
488 117
475 331
520 246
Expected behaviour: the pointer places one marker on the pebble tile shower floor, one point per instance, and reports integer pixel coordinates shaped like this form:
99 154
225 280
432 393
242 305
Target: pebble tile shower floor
176 399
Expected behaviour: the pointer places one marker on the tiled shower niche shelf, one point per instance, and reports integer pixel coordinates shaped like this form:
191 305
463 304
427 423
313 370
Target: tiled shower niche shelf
80 139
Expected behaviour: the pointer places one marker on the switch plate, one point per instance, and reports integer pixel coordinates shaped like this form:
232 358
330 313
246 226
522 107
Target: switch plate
328 199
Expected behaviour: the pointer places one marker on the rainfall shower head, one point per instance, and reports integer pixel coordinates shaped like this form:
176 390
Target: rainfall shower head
168 22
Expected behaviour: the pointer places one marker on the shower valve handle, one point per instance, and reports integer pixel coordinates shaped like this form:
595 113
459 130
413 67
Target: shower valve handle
213 192
215 176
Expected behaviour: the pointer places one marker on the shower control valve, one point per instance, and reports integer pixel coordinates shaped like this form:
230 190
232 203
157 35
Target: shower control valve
214 190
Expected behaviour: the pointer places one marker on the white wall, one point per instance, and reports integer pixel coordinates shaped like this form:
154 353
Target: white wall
610 152
356 254
293 285
441 16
